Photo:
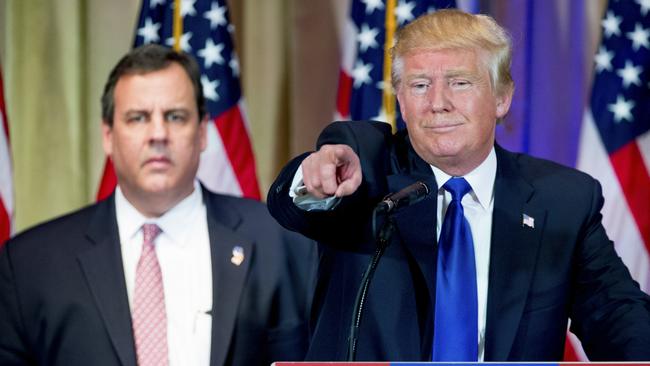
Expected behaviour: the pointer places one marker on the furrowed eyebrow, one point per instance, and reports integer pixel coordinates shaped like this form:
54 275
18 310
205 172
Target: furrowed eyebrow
177 110
131 112
136 110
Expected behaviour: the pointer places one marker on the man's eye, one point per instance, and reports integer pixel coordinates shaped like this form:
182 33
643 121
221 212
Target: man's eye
460 84
419 88
136 118
176 117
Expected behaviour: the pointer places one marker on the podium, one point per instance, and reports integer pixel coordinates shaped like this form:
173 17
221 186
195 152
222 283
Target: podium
454 363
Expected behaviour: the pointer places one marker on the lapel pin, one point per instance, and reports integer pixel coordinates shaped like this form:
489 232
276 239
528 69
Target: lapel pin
237 255
528 221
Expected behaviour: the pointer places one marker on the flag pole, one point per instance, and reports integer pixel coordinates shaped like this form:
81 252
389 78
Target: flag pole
178 25
388 98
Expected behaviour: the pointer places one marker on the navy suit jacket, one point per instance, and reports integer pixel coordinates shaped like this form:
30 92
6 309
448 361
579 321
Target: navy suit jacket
563 267
63 298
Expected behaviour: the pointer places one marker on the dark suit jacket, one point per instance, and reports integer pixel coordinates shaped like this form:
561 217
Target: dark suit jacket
563 267
63 297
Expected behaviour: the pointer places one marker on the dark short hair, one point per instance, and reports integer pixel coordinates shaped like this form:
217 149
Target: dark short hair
145 59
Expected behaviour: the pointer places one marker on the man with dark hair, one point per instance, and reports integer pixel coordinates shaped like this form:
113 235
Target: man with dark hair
163 271
492 264
146 59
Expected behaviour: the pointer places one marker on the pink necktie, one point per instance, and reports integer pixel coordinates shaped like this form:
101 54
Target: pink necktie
149 318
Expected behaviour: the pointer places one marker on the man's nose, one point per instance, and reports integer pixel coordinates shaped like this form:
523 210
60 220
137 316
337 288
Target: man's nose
158 129
439 97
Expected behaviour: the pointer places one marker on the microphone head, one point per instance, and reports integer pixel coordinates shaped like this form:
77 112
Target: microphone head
407 196
423 188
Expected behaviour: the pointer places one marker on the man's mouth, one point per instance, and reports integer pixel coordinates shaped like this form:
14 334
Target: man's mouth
158 161
443 127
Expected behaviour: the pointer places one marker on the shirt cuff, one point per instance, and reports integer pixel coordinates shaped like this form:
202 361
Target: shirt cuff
307 202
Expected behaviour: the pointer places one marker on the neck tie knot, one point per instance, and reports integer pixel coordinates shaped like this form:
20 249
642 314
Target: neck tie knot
149 233
458 187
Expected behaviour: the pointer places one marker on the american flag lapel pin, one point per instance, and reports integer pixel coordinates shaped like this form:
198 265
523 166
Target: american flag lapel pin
237 255
528 221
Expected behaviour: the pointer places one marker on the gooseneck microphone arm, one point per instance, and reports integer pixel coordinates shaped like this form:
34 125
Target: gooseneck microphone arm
405 197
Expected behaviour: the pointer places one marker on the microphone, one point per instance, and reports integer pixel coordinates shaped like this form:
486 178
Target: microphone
405 197
412 194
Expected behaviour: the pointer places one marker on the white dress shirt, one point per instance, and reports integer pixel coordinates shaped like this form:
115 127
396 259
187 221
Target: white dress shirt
183 251
478 206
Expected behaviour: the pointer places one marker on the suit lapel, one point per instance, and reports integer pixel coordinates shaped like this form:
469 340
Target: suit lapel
231 257
513 254
103 268
416 226
420 242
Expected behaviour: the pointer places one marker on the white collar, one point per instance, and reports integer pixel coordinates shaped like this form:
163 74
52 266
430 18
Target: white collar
173 223
480 179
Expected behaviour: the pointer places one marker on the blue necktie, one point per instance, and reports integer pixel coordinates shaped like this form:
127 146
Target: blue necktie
455 335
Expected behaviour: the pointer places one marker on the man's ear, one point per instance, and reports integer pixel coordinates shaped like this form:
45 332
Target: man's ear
203 132
503 102
398 96
107 139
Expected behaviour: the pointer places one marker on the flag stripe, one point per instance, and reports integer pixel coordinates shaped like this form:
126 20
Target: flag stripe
5 223
6 176
6 184
108 182
344 94
3 111
215 171
635 183
234 135
617 216
570 353
643 142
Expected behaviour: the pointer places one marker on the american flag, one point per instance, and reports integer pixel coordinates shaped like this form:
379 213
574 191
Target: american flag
364 84
615 137
203 30
6 184
528 221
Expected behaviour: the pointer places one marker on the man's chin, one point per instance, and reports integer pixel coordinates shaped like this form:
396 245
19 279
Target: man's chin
439 152
166 188
157 186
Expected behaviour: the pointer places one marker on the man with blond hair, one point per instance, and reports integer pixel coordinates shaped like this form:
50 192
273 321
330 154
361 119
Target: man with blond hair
494 262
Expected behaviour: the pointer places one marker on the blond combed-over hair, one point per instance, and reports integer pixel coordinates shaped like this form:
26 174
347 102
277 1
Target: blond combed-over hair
454 29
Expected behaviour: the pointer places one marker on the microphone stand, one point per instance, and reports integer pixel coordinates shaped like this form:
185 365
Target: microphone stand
383 240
